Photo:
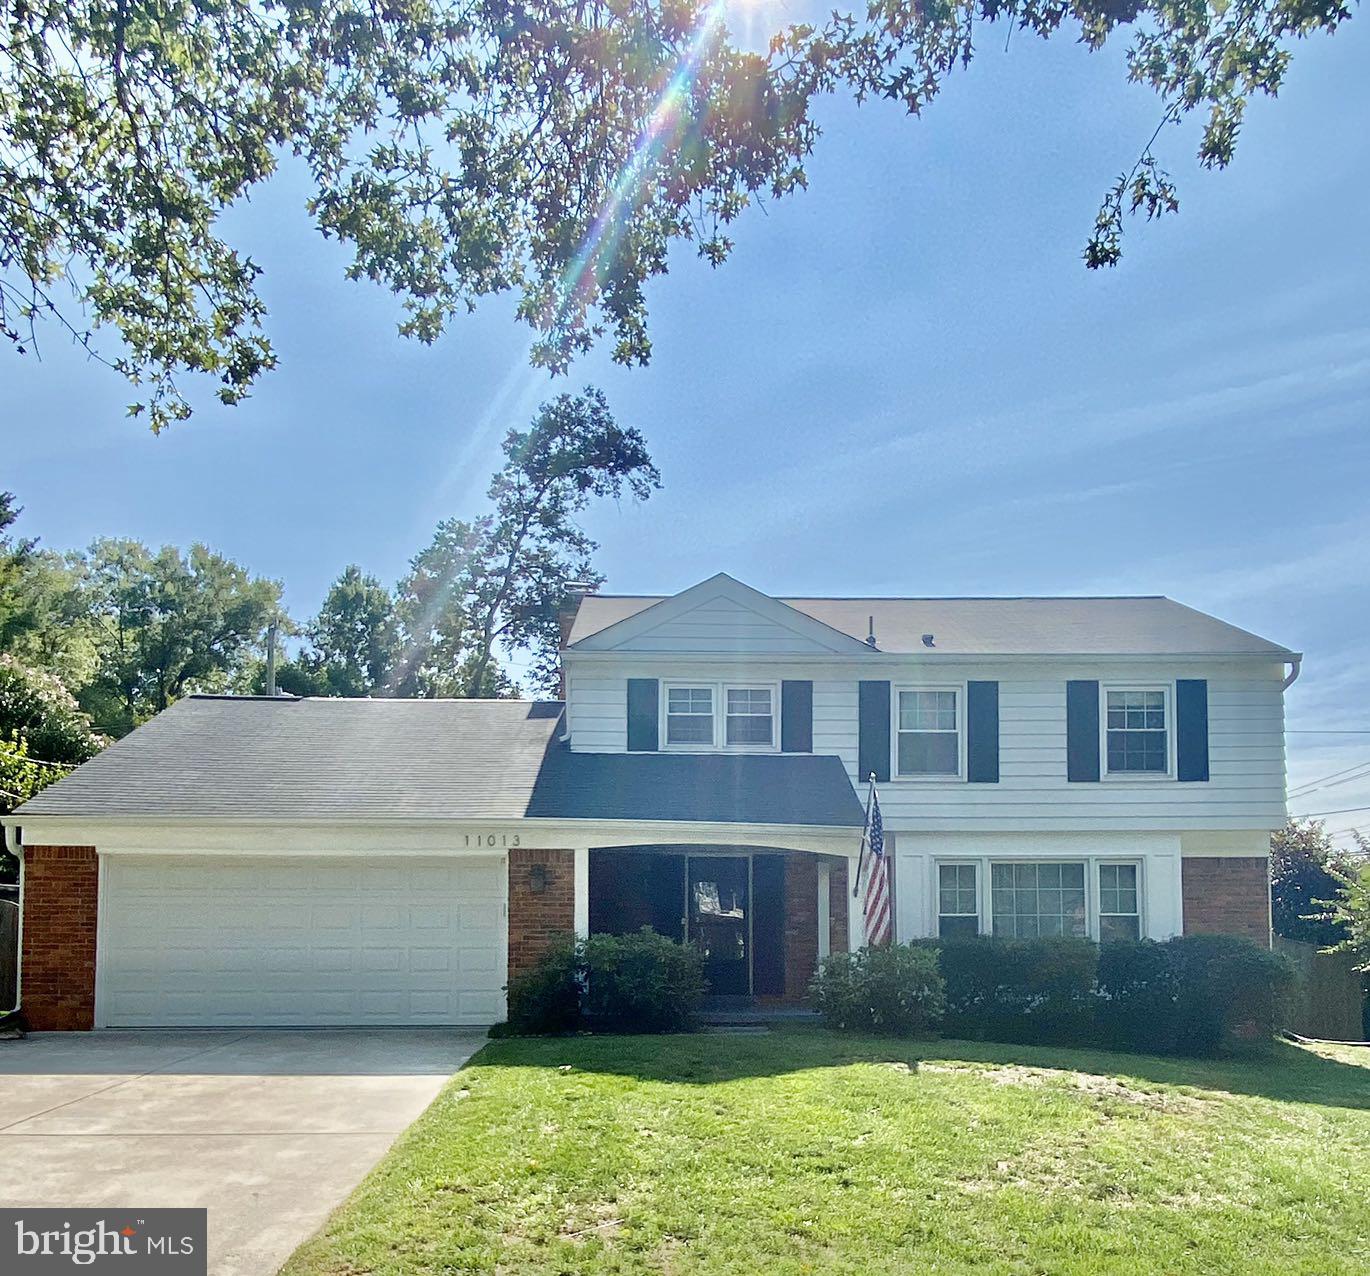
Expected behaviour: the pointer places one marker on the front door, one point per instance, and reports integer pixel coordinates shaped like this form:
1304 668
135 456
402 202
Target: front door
719 903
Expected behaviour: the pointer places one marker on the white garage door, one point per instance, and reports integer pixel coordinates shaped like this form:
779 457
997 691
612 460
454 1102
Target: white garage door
196 941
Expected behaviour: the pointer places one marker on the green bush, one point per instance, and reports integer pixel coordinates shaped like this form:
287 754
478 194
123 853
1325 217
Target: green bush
1029 990
616 983
642 983
1197 995
546 999
896 989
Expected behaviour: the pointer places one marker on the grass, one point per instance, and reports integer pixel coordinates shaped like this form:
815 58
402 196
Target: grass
802 1151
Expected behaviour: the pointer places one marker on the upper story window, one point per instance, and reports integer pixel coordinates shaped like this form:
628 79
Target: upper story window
690 715
702 716
1137 737
750 718
928 732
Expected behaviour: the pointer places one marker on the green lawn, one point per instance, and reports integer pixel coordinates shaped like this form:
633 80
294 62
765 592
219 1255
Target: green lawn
803 1151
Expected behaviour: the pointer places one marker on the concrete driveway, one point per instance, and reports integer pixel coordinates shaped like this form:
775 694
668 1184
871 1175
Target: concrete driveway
268 1129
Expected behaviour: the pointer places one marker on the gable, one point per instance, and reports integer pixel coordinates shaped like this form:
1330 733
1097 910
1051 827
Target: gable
720 615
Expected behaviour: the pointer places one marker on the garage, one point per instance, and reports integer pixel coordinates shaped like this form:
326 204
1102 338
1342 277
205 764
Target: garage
216 941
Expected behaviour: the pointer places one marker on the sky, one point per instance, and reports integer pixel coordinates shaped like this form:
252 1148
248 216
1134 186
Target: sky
904 381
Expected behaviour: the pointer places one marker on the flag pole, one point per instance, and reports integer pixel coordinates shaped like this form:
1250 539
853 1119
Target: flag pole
865 837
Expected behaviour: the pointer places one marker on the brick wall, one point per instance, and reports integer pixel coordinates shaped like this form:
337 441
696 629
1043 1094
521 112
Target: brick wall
839 900
536 919
1228 896
61 895
801 923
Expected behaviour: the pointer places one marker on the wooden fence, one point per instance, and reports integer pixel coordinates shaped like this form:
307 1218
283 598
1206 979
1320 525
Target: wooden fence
1329 1000
9 954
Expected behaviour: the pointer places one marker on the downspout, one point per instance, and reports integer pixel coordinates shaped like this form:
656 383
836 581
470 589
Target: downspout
1295 664
14 845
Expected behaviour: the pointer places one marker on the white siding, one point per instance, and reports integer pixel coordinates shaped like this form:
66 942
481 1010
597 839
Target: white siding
727 626
1246 742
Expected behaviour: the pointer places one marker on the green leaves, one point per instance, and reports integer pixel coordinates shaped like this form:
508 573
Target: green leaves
464 150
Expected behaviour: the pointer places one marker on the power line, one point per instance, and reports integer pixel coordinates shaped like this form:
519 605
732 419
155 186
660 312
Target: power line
1311 731
1345 810
23 757
1342 777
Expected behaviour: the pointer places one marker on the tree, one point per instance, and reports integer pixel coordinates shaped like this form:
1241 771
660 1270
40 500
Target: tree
167 623
43 734
1348 910
500 581
461 151
1304 867
14 560
353 641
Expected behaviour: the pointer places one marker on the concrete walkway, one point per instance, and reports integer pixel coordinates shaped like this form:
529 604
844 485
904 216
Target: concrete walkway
268 1129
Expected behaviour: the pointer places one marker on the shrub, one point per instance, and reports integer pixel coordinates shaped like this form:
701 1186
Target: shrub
546 999
1029 990
1138 992
1230 992
620 983
897 989
642 983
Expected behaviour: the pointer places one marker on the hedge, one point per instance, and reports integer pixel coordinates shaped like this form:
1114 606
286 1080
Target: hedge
1195 995
613 983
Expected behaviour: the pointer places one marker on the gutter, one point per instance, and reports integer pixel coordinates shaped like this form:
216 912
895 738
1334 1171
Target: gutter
14 844
1295 664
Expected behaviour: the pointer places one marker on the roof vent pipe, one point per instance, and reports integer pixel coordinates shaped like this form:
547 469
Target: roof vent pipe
927 640
271 658
870 633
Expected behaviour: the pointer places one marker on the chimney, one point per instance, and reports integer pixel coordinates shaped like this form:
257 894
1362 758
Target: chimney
566 617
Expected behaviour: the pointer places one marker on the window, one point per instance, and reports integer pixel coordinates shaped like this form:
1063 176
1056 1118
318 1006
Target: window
958 904
1136 731
1119 917
929 737
750 719
690 715
1038 899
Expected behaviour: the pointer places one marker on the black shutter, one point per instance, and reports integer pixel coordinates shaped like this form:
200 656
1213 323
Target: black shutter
796 717
982 732
1082 731
643 733
1191 728
873 749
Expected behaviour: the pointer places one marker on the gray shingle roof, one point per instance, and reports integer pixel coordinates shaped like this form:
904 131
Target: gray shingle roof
258 758
997 626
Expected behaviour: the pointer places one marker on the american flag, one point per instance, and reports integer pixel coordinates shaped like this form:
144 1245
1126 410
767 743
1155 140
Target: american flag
876 906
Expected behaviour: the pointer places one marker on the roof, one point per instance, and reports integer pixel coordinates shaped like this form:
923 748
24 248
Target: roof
1150 625
282 758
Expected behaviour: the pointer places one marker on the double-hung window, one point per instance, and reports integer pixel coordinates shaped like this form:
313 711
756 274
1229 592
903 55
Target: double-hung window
958 901
690 716
1032 899
750 718
928 732
1119 911
1135 727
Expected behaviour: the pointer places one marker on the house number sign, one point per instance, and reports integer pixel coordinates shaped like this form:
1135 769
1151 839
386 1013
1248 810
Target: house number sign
491 839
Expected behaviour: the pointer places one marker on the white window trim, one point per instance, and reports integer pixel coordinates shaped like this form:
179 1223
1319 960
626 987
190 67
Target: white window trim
985 895
719 692
937 914
941 777
1167 689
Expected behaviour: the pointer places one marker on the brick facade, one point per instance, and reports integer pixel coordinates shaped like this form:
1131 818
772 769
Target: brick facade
839 897
801 923
1229 896
61 897
536 918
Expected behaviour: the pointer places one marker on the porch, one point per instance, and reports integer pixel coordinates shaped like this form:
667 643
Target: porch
762 917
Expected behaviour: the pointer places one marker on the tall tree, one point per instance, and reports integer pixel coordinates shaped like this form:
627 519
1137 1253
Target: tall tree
167 623
466 150
1348 907
499 581
1304 865
15 554
352 642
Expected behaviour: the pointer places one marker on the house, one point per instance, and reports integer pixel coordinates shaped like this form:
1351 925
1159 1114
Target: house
1081 766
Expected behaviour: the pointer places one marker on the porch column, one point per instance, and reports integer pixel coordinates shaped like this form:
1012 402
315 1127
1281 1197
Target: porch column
582 892
824 909
856 919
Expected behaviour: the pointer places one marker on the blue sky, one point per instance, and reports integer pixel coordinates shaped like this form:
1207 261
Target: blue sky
904 381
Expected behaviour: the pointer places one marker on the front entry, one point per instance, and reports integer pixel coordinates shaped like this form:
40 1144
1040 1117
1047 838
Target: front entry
719 919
